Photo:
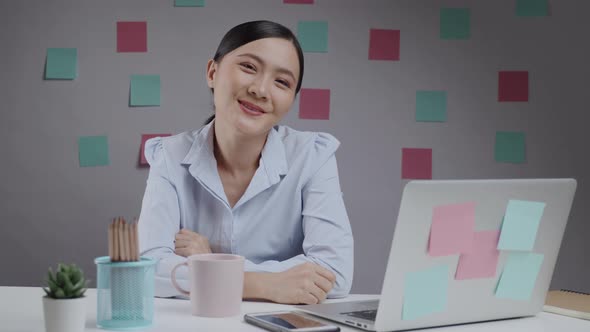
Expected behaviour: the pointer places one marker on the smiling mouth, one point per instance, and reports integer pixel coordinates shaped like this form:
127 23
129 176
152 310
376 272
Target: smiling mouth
250 108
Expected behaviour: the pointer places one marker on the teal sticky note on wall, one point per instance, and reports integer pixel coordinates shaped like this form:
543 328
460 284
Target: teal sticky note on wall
93 151
532 8
431 106
510 147
313 36
145 90
519 276
520 225
61 64
189 3
425 292
455 23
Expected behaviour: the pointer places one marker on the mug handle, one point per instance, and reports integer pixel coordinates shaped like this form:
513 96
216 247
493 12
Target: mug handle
176 285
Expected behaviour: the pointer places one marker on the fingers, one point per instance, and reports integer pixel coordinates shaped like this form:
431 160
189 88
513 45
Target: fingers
200 246
187 236
323 283
182 243
187 231
190 236
325 273
187 243
184 252
307 297
318 293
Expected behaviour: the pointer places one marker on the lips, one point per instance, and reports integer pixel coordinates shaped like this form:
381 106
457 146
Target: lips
250 108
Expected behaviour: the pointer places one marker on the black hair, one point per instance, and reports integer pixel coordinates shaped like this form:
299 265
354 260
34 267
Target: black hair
250 31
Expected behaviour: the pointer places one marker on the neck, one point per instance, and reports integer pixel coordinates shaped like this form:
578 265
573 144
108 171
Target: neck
234 152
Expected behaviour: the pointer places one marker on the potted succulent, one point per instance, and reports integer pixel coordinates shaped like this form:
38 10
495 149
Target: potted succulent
64 306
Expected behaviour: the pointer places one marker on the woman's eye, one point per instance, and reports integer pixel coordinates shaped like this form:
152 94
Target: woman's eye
284 83
248 66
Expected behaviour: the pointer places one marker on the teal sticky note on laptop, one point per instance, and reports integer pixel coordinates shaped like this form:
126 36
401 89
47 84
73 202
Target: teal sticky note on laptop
519 276
61 64
425 292
145 90
520 225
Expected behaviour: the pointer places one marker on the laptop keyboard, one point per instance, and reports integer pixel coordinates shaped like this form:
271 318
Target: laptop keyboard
363 314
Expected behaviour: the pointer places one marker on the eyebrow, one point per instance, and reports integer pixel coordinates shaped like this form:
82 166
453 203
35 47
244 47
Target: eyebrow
279 69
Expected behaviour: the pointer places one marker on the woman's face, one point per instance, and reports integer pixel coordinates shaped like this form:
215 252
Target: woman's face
254 85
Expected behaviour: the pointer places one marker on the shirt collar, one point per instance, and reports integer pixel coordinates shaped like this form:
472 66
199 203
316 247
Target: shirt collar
273 153
202 147
203 165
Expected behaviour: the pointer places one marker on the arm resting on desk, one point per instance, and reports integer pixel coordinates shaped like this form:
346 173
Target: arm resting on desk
255 278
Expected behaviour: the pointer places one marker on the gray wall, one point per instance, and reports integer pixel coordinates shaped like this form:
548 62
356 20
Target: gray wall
52 210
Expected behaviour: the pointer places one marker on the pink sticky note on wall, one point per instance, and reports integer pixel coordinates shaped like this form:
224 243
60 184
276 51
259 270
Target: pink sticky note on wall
451 232
144 138
384 44
416 163
131 36
304 2
482 261
513 86
314 104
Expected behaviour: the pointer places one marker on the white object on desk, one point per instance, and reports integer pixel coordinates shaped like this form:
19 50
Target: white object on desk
64 315
21 310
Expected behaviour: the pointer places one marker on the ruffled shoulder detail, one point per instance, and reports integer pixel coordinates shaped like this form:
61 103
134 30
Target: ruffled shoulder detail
154 152
311 147
325 143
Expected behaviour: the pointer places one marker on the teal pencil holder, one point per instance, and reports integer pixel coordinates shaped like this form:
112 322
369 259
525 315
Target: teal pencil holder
125 294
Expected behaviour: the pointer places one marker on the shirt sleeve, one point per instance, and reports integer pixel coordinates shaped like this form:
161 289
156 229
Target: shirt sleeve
328 239
159 221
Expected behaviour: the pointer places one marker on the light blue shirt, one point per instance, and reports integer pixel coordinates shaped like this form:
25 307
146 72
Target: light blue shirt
292 211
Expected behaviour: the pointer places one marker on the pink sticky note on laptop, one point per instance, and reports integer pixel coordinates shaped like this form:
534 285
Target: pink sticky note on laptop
482 261
452 229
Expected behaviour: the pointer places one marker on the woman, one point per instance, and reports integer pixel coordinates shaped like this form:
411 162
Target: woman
243 185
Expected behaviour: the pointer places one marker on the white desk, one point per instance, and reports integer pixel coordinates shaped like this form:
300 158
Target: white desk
21 310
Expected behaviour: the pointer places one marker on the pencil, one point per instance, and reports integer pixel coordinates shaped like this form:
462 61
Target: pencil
121 244
125 241
137 254
110 239
115 240
133 240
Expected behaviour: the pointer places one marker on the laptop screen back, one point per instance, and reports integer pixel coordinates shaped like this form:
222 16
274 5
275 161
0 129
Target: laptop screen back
473 250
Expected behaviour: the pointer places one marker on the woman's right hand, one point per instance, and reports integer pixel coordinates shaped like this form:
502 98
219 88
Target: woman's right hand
307 283
187 243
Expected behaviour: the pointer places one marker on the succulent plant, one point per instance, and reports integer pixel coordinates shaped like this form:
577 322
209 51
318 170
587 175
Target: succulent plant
68 282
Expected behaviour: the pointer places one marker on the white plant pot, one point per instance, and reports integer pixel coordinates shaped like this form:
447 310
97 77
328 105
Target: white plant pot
65 315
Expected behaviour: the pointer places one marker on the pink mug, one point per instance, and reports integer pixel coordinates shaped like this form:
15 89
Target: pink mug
216 284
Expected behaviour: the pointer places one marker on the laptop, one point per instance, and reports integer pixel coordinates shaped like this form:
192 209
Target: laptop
452 298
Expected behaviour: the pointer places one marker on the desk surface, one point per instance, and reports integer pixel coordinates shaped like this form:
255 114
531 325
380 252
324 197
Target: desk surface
21 309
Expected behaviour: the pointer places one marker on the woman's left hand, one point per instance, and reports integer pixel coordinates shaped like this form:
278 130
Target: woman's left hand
188 243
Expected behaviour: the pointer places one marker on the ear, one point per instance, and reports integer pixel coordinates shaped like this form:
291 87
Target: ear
211 71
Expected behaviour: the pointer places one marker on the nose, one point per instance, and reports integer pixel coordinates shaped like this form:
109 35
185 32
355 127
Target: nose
258 88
